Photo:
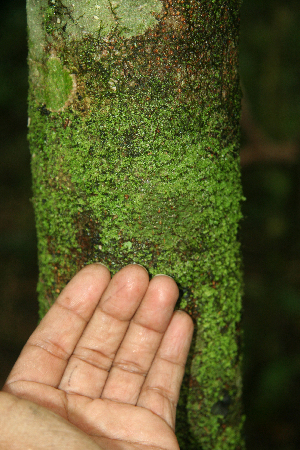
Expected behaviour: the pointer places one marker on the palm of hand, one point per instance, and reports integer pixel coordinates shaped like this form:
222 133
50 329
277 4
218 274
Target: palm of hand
113 368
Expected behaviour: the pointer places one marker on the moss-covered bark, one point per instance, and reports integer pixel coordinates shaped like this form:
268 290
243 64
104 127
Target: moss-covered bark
134 129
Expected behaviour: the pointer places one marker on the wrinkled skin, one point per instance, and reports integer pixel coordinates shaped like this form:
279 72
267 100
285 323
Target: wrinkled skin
103 369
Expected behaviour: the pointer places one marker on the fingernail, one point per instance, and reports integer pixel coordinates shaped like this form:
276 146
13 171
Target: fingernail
164 275
137 264
100 264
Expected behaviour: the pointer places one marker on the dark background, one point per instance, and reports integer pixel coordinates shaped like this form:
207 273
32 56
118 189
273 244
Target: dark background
270 235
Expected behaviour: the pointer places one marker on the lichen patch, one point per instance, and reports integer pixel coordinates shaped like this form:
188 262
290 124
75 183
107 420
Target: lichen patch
93 17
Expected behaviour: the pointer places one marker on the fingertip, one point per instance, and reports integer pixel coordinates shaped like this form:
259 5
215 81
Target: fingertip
186 317
185 323
134 273
167 284
85 289
97 267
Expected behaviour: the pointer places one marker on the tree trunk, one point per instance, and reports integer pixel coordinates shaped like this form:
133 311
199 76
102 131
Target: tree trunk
134 132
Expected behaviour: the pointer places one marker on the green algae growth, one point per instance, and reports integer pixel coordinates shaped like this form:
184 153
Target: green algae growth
134 135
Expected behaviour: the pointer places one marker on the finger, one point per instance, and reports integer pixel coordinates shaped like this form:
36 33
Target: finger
92 358
160 392
141 342
46 353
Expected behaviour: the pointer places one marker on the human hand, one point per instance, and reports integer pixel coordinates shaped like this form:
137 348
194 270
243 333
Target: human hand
109 358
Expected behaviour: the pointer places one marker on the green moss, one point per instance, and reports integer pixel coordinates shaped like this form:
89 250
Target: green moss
141 166
58 85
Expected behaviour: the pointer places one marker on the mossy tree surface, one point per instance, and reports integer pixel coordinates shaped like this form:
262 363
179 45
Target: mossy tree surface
134 133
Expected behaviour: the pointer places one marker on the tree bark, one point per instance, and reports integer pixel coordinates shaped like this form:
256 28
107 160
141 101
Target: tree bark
134 113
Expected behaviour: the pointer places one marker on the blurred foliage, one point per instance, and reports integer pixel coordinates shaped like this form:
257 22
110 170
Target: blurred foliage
270 243
270 234
270 64
270 73
18 266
